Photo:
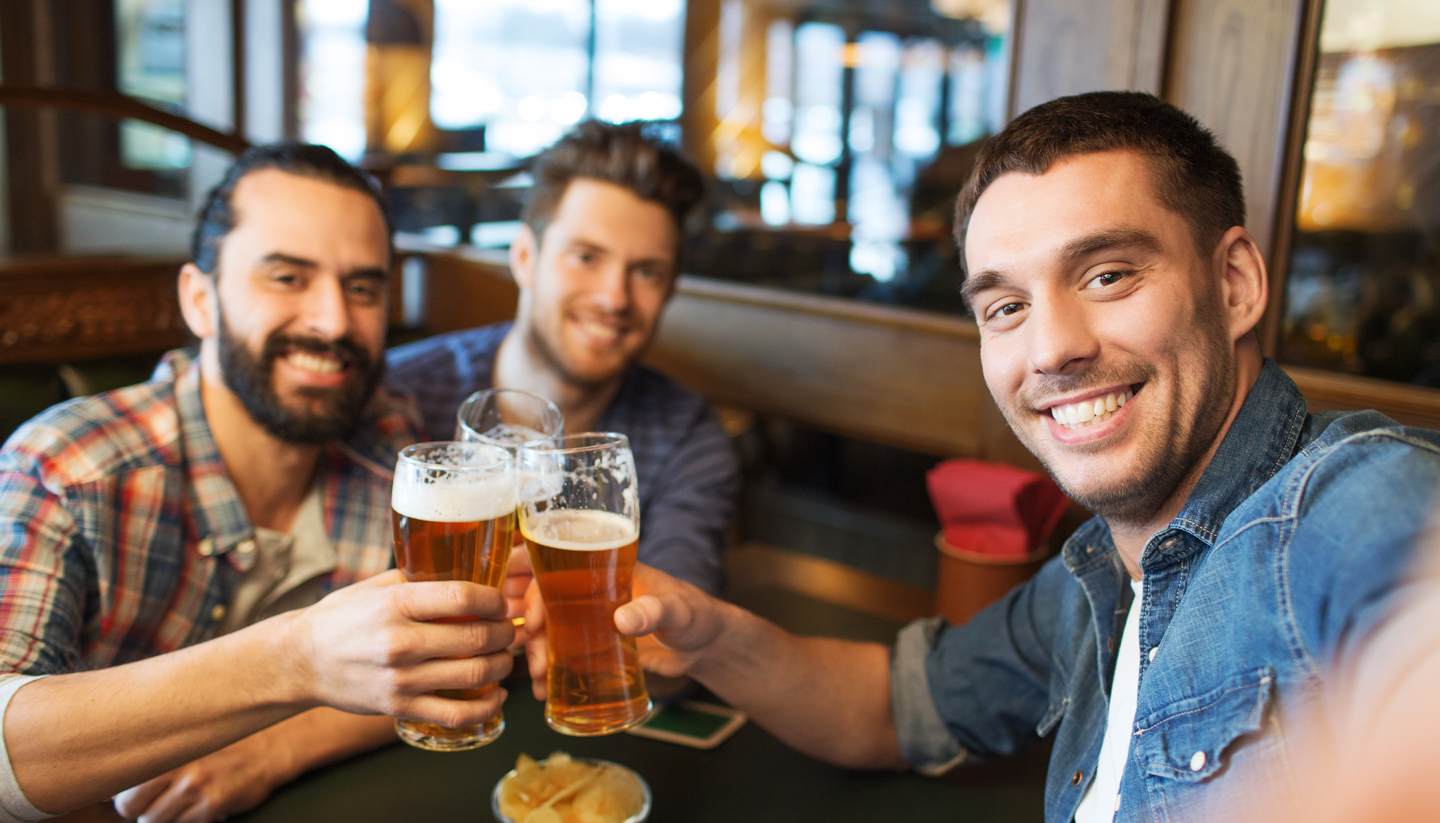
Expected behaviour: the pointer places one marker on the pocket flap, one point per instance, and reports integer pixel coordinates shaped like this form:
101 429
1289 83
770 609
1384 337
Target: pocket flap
1189 739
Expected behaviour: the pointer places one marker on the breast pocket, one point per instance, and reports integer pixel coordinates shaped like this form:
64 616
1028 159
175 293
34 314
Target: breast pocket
1192 740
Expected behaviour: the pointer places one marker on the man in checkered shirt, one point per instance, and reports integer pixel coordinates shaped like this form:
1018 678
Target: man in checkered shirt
176 628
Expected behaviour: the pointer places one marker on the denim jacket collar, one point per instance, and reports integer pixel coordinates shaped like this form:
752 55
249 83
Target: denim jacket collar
1263 437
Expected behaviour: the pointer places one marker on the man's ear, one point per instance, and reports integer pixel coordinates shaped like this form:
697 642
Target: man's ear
524 250
198 300
1244 282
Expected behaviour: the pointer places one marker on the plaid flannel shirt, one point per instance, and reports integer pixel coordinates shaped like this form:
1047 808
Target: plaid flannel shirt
121 535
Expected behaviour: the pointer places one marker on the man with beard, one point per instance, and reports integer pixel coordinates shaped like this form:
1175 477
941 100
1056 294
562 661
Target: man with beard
1242 547
596 261
173 626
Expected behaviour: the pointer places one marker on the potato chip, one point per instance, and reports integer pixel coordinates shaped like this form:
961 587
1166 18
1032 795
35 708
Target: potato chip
561 789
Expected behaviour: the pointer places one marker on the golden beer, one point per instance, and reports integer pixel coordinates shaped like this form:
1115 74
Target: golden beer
453 523
584 561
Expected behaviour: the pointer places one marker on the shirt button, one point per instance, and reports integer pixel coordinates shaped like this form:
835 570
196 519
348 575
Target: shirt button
217 612
1153 650
1117 803
245 546
1076 778
1197 761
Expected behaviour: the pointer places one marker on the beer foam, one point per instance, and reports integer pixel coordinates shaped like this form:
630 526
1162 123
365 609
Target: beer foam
580 530
454 502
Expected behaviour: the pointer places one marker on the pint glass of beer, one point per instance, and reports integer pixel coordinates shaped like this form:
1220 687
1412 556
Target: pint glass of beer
582 526
507 418
454 509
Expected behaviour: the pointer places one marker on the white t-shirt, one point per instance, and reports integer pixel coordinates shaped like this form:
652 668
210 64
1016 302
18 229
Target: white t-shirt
1102 796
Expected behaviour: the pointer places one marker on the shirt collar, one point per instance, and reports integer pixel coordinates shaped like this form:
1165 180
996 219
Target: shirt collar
217 516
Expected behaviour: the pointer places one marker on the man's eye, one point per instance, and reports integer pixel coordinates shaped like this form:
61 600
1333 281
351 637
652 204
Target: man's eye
365 289
1106 279
1005 310
284 277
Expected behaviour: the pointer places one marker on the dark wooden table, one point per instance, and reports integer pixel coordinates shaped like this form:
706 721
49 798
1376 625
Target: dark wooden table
750 777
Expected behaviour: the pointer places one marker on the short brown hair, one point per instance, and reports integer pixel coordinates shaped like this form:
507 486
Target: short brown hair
1193 175
626 155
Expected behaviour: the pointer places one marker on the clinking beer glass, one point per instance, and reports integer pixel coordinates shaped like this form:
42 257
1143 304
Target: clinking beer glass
453 506
582 527
508 418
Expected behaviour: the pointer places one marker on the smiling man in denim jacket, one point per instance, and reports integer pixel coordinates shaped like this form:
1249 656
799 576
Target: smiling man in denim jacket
1243 547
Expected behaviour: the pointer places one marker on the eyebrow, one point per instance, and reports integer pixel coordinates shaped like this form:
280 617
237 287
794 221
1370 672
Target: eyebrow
1108 240
366 272
1072 252
289 260
591 245
979 282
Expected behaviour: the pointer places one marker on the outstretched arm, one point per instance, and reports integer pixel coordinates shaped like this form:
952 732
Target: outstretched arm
373 647
828 698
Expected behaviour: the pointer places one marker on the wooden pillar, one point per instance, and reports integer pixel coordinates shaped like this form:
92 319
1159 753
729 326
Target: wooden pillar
1073 46
399 35
32 165
699 119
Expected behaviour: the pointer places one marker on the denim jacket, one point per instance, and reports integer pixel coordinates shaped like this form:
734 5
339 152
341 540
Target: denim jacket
1293 545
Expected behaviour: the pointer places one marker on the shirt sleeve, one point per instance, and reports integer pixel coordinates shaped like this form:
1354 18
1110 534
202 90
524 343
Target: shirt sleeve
683 531
41 573
14 805
980 689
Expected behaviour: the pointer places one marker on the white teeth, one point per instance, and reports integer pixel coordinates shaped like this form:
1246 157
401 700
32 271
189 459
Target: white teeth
1086 411
315 363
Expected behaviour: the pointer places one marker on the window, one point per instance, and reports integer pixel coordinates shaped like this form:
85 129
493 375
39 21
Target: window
332 74
150 57
526 70
1363 289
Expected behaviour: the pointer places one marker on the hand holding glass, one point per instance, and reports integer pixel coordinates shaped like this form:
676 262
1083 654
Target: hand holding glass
453 505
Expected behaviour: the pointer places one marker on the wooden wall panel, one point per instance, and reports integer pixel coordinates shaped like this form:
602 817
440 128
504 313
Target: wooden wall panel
1072 46
1231 65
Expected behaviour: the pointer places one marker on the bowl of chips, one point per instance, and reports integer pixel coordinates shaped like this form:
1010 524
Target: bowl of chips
565 789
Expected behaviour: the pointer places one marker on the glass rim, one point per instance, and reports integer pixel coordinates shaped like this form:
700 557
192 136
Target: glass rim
598 441
475 397
499 456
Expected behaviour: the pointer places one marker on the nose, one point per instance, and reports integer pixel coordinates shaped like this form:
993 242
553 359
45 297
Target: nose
326 312
1061 338
612 288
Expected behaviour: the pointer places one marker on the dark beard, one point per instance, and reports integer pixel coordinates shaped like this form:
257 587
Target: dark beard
251 378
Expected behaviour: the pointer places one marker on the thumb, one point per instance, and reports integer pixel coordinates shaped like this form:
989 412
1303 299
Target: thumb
668 615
